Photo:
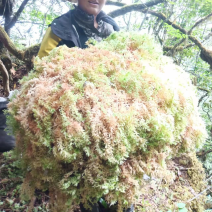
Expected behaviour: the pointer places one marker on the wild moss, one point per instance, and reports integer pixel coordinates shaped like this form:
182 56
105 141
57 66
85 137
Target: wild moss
89 123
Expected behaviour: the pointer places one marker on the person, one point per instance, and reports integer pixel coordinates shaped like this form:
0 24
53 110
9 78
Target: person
73 29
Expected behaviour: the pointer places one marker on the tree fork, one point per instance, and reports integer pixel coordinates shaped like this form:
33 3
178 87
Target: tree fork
26 56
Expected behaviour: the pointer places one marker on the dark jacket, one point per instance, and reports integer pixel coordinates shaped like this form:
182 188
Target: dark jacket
64 30
7 142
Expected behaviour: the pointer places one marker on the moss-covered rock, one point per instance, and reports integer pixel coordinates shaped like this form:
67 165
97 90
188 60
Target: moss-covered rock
89 123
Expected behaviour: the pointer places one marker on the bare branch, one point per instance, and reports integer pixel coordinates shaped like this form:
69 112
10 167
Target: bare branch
203 153
199 22
17 15
5 75
203 89
198 195
164 18
205 55
115 3
201 99
29 22
142 23
134 7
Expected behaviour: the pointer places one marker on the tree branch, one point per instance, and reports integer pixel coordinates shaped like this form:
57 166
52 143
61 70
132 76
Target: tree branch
179 48
17 15
198 195
201 99
5 75
134 7
5 39
29 22
25 55
205 55
207 37
203 153
203 89
142 23
115 3
164 18
196 41
199 22
173 50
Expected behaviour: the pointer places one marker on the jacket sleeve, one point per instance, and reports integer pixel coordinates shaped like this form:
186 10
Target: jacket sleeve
49 42
7 142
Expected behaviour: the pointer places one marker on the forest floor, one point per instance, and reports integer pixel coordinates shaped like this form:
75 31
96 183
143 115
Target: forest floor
11 178
156 194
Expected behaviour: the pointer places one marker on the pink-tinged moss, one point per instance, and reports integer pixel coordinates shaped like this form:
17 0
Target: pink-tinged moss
89 123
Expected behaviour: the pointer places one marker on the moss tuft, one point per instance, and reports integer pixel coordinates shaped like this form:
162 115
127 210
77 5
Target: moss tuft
89 123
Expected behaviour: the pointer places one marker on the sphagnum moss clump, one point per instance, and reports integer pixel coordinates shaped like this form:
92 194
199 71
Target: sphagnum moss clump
89 123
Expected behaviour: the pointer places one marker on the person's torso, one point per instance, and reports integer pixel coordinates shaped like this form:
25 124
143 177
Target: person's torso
76 27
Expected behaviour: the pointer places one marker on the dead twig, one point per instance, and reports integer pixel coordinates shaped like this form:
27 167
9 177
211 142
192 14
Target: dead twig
31 205
5 75
198 195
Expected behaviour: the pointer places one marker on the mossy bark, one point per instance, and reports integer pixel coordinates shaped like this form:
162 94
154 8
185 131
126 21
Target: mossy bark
6 45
